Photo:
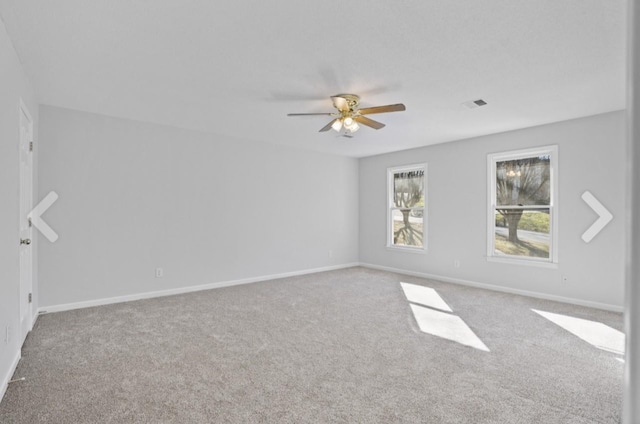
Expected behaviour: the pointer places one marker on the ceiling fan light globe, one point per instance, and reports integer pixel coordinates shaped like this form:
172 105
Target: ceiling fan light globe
353 127
337 125
348 121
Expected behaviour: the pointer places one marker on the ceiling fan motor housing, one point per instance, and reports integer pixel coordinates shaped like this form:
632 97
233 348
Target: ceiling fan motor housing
352 100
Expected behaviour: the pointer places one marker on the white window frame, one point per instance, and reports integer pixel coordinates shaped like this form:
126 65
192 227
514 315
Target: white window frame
492 159
391 207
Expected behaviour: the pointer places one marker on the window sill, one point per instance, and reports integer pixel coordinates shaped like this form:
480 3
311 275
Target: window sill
418 250
515 261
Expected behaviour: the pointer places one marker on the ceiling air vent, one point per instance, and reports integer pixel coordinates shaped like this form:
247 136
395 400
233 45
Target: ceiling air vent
474 104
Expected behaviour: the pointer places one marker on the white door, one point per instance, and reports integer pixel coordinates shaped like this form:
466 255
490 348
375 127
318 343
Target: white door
26 204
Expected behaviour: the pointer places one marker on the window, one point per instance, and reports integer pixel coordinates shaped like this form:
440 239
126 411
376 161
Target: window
406 215
522 218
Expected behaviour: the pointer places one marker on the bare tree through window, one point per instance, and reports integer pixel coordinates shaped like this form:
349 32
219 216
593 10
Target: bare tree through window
522 206
407 211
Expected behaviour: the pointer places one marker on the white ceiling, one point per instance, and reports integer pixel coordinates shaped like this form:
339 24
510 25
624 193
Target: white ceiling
236 68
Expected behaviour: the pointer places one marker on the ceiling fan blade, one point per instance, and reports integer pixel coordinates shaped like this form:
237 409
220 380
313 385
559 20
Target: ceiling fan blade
340 103
328 126
368 122
382 109
309 114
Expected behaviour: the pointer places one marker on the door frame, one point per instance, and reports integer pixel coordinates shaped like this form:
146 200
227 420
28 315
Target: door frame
26 137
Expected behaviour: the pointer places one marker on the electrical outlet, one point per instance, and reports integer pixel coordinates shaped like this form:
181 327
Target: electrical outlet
565 279
159 273
456 263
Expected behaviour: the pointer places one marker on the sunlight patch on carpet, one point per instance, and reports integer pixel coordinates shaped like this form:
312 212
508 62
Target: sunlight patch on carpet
446 326
595 333
424 296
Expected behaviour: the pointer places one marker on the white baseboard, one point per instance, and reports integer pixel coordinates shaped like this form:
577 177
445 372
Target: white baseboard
6 378
182 290
538 295
34 318
190 289
14 364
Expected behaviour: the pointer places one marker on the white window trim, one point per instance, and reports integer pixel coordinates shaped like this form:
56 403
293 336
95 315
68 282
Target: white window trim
492 159
390 206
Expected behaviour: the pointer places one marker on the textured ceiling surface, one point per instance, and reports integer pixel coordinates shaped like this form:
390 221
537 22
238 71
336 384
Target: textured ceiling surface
236 68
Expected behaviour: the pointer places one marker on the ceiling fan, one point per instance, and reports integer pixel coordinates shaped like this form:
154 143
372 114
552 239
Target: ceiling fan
348 116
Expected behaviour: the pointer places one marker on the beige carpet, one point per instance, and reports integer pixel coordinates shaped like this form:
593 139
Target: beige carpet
335 347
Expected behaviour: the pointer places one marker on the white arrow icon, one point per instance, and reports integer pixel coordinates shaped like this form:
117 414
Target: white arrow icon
37 222
604 217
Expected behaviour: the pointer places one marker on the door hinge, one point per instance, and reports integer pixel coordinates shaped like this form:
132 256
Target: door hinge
31 146
30 297
30 223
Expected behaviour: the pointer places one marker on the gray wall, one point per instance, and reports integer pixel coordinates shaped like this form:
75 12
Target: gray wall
136 196
591 157
13 86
